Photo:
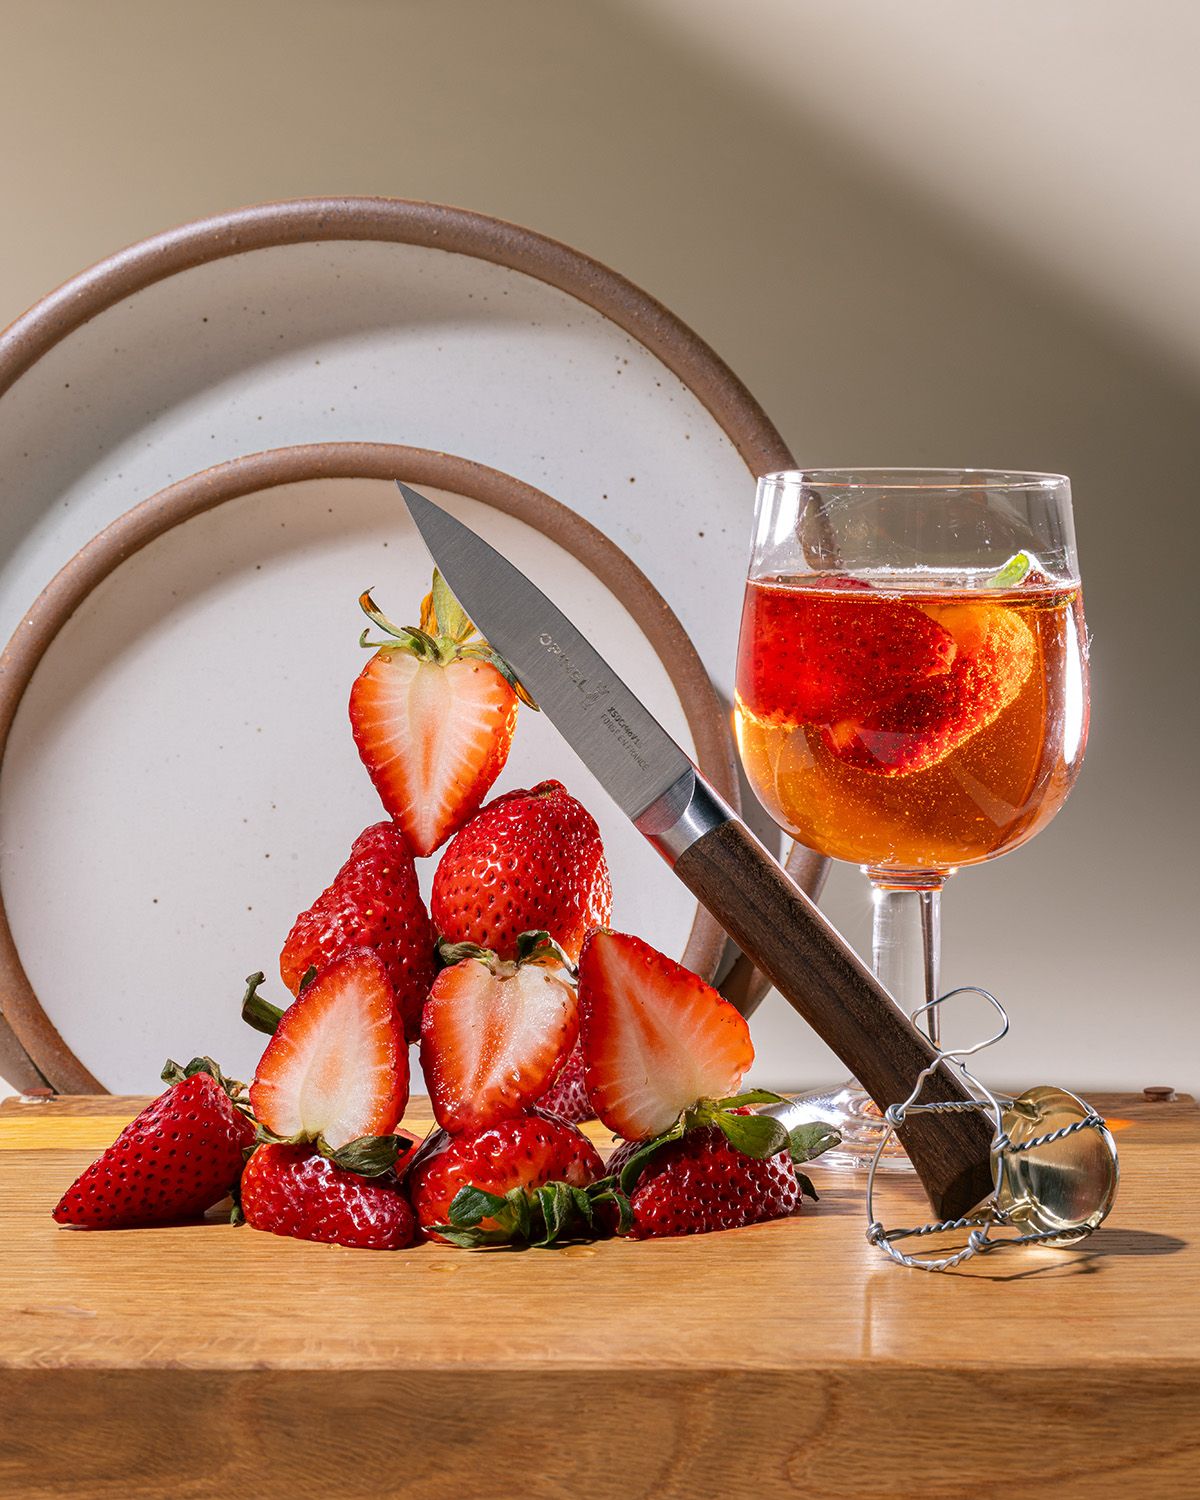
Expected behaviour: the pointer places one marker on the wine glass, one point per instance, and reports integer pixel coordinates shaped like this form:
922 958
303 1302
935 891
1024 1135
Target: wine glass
911 693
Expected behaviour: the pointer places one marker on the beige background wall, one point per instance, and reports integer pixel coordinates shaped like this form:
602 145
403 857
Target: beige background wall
922 233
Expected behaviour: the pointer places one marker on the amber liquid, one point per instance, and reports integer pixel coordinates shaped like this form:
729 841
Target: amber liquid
916 724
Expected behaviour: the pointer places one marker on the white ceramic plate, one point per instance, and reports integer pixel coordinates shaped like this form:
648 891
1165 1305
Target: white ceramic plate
181 779
331 321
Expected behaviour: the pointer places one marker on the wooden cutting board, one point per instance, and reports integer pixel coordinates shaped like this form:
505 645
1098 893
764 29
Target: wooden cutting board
784 1359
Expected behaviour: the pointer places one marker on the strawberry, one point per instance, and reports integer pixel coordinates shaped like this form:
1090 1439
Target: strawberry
517 1157
720 1167
528 860
567 1099
181 1155
495 1032
291 1189
921 725
433 714
336 1068
819 660
655 1037
373 903
702 1182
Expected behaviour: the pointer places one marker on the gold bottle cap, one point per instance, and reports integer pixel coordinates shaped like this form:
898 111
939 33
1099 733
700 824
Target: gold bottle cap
1066 1186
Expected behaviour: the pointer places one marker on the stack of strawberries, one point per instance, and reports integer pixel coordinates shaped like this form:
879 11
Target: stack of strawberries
531 1016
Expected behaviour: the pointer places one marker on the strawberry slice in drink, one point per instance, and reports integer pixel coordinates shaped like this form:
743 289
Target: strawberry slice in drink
817 659
919 726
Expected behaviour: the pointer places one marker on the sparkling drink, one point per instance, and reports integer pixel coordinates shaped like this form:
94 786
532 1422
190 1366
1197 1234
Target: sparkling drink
912 721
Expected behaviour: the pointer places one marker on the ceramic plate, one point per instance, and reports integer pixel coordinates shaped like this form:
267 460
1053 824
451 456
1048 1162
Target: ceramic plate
362 322
180 777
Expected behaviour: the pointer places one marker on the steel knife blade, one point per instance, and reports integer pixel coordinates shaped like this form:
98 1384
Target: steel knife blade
715 855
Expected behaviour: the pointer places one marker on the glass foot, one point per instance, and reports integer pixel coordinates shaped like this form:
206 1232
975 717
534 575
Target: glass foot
852 1111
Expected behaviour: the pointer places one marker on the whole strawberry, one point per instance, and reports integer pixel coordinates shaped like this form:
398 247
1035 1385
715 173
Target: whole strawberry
181 1155
374 903
292 1190
509 1162
703 1182
433 714
529 859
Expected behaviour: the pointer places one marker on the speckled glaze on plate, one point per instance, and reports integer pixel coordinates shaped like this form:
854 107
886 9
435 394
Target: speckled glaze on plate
368 321
180 778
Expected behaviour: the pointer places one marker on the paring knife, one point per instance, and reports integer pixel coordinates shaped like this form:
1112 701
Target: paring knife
715 855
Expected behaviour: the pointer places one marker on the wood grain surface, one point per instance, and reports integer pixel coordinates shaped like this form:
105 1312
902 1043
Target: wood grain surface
784 1359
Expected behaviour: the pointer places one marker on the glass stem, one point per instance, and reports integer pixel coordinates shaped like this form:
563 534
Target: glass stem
906 945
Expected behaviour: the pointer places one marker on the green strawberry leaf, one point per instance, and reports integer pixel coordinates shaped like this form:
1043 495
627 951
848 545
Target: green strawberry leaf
449 617
806 1188
306 978
416 641
751 1096
753 1135
256 1011
471 1205
556 1204
368 1155
470 1239
810 1139
1013 571
172 1073
601 1192
632 1169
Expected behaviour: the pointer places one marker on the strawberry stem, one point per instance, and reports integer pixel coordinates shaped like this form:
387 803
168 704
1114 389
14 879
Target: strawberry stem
257 1011
538 947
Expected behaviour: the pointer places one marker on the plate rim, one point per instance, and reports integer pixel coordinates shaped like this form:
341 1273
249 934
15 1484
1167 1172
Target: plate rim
33 1049
413 222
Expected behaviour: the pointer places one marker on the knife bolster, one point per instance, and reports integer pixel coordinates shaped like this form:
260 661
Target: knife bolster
683 814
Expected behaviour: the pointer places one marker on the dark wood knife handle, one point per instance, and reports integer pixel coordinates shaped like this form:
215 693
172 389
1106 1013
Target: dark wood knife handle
790 940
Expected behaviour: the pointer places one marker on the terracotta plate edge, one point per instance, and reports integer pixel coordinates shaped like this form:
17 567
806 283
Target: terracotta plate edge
405 221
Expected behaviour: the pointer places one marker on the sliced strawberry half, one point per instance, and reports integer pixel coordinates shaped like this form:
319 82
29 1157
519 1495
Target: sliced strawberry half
336 1068
655 1037
373 902
494 1034
433 714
